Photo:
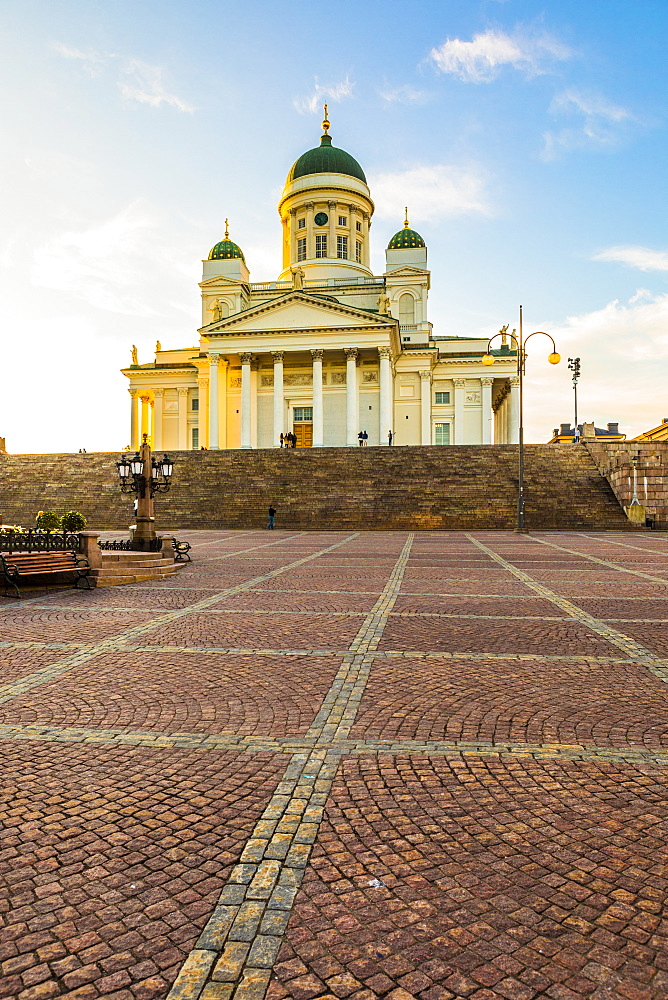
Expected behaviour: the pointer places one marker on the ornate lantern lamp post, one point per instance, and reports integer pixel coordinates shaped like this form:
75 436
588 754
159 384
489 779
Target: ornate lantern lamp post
144 476
488 359
574 366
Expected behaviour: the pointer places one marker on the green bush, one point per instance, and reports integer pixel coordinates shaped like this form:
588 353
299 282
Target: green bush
73 521
48 520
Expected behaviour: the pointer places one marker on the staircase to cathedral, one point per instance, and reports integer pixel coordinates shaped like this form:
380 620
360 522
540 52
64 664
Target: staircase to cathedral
456 487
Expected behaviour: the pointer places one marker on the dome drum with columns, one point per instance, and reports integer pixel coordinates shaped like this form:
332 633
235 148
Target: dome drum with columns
328 349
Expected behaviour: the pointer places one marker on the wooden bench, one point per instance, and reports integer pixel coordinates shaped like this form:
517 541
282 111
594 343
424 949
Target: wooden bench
17 565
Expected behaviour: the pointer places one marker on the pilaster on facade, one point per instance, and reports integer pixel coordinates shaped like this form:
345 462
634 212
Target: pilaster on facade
352 402
460 393
202 412
514 429
318 412
487 412
134 419
158 400
183 418
425 406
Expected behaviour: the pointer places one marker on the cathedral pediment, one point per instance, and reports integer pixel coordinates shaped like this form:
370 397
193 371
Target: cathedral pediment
297 311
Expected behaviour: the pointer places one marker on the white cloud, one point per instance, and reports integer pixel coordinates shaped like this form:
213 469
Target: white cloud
620 345
639 257
322 93
142 82
404 95
480 60
106 265
136 80
599 123
431 192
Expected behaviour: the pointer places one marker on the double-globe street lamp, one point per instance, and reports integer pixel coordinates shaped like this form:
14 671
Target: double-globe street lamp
488 359
144 476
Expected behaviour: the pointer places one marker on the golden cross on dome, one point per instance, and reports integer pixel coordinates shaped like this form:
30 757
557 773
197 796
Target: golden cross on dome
406 226
227 229
325 123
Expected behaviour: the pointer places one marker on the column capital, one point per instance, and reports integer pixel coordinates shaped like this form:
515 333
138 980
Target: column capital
385 352
350 352
331 204
278 356
425 374
317 354
309 206
459 383
214 358
292 211
183 390
245 358
514 381
132 390
486 381
202 383
144 398
158 392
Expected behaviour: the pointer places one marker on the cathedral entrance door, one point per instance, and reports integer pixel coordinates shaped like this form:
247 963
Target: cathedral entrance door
302 425
304 435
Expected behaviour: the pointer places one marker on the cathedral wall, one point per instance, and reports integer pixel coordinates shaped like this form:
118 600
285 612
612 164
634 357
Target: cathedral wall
334 418
234 420
265 421
369 418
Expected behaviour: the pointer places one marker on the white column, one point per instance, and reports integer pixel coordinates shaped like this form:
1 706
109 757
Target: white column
279 401
425 406
213 401
385 394
487 414
460 388
514 435
134 424
318 423
157 418
352 406
183 418
245 400
202 420
145 419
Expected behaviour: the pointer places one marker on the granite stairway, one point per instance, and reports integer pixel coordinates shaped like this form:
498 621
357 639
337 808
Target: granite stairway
132 567
458 487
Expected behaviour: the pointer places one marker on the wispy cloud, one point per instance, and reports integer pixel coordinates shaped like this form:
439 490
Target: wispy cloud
404 95
322 93
598 122
143 82
641 258
431 192
104 264
482 59
136 80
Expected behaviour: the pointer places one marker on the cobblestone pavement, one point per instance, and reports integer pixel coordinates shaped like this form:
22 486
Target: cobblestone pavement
342 765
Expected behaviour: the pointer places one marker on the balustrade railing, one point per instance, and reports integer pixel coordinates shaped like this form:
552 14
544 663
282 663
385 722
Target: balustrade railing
31 540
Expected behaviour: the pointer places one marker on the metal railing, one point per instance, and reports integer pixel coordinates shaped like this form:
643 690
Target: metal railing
125 545
38 541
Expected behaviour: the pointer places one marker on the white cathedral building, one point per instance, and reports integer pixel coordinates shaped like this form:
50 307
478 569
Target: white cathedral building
328 349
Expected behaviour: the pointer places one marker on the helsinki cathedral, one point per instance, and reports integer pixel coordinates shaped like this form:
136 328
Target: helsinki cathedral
327 350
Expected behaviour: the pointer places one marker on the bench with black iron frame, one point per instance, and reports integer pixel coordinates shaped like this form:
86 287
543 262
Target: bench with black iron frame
17 565
181 550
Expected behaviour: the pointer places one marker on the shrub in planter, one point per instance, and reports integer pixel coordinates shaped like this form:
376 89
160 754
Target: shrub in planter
48 520
72 521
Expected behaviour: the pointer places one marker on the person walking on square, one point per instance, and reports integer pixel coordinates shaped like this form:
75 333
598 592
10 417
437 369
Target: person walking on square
272 515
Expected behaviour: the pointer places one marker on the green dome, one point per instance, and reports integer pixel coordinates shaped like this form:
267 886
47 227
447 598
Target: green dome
226 250
405 239
326 159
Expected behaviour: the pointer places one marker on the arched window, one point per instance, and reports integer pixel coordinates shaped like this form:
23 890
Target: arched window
406 310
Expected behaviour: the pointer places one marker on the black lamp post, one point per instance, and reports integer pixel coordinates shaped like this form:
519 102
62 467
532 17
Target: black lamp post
574 366
488 359
143 476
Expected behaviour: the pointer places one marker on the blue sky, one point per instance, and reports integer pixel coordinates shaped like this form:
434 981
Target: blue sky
528 140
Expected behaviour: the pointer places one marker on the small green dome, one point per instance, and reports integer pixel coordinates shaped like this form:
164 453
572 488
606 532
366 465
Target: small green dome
326 159
405 239
226 250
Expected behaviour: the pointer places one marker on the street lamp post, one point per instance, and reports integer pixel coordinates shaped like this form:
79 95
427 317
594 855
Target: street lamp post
488 359
144 476
574 366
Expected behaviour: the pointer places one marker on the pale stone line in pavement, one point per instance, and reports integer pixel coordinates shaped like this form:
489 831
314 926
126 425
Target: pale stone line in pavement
121 647
631 647
601 562
209 743
237 949
638 548
53 670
